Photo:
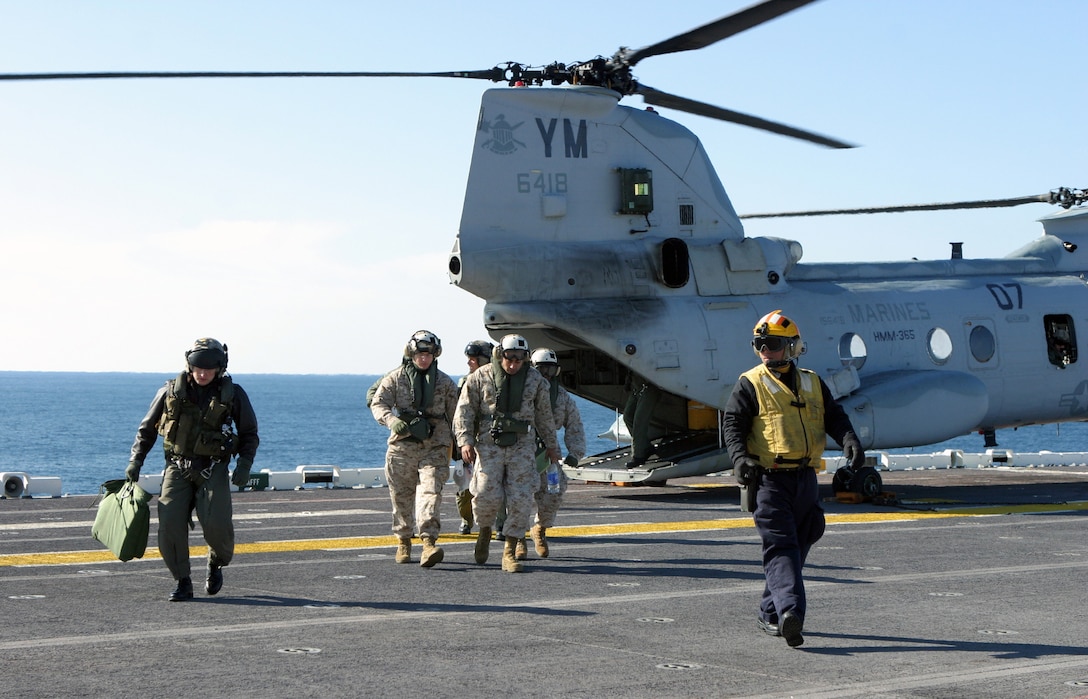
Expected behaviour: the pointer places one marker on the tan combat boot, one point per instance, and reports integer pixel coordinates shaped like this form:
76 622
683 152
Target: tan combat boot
483 541
432 555
520 552
404 551
539 540
509 563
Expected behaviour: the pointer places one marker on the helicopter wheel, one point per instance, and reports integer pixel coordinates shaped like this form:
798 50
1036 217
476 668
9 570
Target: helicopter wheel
840 482
867 482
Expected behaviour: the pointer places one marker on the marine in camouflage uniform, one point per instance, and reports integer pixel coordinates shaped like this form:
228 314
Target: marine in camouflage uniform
416 402
509 400
477 353
197 414
566 416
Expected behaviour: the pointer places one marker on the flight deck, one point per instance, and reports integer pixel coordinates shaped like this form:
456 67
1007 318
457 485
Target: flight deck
964 582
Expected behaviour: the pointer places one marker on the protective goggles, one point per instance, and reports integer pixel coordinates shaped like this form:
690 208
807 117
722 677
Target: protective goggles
770 343
515 355
475 351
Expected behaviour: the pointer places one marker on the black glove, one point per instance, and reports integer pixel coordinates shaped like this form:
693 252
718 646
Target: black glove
852 451
241 474
399 426
570 460
746 471
132 473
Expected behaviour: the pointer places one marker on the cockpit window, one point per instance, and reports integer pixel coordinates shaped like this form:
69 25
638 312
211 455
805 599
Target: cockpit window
1061 340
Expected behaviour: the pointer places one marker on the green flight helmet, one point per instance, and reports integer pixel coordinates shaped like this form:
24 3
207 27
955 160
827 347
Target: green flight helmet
480 349
207 353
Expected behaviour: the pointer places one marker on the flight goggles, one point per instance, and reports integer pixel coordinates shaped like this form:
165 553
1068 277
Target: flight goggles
475 350
771 343
515 355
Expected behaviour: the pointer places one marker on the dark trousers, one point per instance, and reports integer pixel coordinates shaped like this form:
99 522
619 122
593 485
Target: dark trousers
179 497
789 520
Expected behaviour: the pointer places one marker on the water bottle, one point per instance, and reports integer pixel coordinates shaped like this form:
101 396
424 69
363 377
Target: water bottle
553 478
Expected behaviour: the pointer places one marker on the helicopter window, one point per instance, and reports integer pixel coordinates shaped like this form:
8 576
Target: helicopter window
1061 340
636 192
674 262
852 350
982 343
939 345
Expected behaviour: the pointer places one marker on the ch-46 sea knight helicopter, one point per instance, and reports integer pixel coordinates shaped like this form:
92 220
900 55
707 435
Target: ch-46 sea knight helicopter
602 231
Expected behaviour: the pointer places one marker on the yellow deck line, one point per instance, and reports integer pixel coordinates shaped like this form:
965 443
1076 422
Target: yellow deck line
368 542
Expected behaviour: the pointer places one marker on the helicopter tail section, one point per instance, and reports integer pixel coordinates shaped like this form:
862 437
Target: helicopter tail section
578 194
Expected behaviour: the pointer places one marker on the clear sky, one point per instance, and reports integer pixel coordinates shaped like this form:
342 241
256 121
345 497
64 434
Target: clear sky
307 223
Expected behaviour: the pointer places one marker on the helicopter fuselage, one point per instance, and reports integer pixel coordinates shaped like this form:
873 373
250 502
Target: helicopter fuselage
604 233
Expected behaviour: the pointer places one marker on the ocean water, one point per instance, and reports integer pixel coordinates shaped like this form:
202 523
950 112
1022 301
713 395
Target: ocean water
80 426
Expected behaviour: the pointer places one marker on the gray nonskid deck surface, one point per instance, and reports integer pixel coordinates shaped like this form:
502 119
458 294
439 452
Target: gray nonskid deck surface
898 607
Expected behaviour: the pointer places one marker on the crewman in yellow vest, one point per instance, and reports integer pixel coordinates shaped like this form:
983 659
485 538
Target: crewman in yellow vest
776 424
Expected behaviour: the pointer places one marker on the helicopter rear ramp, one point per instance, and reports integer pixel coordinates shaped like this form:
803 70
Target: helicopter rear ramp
675 456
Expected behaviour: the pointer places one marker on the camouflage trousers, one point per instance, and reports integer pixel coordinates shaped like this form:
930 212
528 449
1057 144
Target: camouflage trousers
464 497
410 467
547 504
508 472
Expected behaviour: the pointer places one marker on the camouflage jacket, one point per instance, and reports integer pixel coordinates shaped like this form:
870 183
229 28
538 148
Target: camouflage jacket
478 399
569 419
394 398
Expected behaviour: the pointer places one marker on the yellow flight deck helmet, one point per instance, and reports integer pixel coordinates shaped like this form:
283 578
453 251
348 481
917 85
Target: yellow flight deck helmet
775 331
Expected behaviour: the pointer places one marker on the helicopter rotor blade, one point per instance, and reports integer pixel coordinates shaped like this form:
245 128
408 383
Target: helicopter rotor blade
493 74
719 29
683 104
1063 197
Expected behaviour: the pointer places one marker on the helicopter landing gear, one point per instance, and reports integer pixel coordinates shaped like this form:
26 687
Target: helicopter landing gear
864 482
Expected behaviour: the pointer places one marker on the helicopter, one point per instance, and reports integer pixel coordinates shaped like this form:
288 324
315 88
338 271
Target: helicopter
602 231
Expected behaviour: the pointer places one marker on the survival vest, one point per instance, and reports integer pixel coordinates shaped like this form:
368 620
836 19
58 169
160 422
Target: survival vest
188 431
789 429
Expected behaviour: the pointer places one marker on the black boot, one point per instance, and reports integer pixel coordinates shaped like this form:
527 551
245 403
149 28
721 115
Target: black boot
214 583
184 590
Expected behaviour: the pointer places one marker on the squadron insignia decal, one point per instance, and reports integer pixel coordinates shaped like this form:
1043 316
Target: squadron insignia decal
502 139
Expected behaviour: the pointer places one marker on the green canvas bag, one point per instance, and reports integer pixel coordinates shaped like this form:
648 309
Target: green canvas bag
123 519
